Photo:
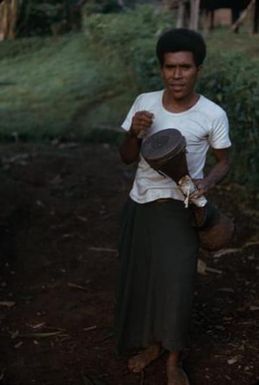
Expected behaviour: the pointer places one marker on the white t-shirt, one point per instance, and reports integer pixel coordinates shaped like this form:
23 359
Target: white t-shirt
203 125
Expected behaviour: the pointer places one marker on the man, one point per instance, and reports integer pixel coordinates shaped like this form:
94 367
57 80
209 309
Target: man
158 244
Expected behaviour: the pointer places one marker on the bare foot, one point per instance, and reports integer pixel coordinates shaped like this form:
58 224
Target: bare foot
137 363
176 376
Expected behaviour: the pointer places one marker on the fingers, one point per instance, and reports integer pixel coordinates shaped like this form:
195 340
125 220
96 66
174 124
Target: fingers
202 188
142 120
196 194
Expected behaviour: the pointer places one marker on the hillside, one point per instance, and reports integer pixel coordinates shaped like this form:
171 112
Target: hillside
47 85
69 85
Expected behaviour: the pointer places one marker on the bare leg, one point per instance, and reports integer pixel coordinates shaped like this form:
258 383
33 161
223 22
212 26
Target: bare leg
175 373
137 363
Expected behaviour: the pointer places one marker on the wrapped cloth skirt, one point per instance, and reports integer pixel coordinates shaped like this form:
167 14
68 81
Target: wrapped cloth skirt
158 256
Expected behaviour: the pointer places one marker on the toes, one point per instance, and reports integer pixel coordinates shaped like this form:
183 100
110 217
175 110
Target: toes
135 366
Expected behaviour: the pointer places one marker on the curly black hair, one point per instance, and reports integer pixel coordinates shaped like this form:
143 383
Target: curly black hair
181 39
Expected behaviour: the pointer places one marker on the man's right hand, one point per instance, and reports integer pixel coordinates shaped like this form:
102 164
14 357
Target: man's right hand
141 121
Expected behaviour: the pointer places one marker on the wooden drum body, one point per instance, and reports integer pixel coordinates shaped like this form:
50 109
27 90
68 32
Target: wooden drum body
165 152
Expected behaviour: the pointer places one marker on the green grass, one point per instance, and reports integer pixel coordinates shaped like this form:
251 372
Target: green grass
62 87
223 40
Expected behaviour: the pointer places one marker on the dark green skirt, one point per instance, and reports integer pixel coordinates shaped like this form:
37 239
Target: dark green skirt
158 255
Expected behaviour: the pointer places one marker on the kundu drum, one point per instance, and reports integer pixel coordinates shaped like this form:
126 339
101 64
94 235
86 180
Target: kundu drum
165 152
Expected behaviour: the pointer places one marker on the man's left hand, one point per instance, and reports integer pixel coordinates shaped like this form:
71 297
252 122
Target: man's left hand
203 186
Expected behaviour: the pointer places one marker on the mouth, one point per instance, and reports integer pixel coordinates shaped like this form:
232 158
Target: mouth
176 87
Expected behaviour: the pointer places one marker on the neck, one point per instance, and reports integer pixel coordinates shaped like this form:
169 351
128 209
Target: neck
179 105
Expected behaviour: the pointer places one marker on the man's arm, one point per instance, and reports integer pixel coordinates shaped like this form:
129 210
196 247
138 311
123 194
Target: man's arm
217 173
130 146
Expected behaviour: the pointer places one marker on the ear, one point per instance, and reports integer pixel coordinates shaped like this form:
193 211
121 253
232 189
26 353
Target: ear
161 70
199 69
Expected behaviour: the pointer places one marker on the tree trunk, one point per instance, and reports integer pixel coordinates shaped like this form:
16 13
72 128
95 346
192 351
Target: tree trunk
243 16
194 17
256 17
8 18
121 3
180 14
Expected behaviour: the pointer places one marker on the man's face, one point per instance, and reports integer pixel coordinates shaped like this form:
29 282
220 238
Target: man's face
179 73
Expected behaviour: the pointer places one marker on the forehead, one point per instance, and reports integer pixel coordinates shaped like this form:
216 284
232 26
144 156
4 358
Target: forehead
180 57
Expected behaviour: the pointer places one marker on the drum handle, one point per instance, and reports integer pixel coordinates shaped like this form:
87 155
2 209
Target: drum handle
187 187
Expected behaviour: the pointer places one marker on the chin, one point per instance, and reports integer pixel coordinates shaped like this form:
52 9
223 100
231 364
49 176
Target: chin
178 96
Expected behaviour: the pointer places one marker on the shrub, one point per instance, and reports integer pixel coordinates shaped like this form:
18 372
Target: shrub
36 17
231 81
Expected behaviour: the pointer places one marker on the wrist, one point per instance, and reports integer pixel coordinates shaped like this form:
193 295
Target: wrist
210 182
132 133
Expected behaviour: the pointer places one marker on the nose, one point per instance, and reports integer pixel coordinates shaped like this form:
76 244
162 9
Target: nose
177 72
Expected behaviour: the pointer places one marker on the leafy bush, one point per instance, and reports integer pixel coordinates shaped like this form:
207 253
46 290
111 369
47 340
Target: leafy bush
102 6
36 16
231 81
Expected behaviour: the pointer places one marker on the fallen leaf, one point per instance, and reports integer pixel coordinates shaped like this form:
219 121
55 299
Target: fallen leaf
232 360
18 345
105 249
90 328
68 145
212 270
14 334
7 303
42 335
19 158
226 289
56 180
76 286
67 236
87 380
38 326
254 308
2 375
223 252
40 203
203 268
255 243
80 218
219 327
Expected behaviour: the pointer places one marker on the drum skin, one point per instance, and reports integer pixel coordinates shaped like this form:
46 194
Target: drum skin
165 152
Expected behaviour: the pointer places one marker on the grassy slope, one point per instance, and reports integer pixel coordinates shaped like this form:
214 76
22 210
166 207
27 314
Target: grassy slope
50 84
64 87
224 40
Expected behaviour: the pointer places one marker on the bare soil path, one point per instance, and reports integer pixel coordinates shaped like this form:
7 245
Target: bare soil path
59 210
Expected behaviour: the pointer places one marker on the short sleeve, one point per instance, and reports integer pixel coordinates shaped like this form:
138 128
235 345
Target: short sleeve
219 135
134 108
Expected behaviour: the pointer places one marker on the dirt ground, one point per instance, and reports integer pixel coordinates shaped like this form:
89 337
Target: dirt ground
59 210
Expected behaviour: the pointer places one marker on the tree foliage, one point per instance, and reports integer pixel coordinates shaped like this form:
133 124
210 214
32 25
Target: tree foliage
232 81
37 17
43 17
